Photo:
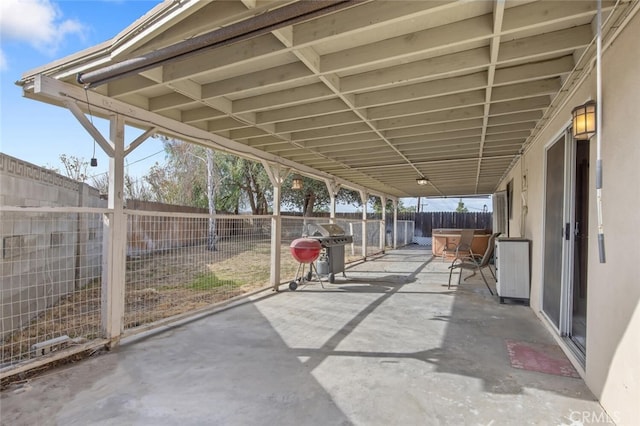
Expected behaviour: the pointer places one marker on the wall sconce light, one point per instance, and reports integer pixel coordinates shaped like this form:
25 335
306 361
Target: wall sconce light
584 121
296 183
422 180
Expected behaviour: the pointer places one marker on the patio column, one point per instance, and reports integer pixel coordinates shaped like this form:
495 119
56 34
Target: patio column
114 248
114 242
383 225
364 198
277 175
395 224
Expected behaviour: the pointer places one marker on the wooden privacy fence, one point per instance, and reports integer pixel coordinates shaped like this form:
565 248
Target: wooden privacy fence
153 232
426 222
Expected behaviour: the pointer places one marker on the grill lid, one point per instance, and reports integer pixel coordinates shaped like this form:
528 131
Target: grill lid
324 230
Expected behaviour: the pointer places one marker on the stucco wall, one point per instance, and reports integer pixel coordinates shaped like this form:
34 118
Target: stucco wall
612 369
613 330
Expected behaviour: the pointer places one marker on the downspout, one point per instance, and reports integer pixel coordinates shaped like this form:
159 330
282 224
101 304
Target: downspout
264 23
601 251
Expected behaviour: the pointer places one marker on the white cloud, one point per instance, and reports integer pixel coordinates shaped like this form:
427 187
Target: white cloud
3 61
37 22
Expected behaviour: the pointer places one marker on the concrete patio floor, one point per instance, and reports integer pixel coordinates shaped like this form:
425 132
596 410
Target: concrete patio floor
390 345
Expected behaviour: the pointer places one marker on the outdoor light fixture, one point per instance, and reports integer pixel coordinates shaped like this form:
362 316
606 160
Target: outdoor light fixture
422 180
584 121
296 183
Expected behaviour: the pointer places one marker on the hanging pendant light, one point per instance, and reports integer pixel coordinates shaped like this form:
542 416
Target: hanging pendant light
296 182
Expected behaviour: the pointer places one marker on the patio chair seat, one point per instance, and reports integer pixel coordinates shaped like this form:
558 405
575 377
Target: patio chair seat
463 248
475 263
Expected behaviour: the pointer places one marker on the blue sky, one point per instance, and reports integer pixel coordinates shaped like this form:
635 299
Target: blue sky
36 32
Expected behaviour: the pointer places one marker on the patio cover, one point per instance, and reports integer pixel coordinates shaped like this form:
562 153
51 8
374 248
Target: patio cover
371 94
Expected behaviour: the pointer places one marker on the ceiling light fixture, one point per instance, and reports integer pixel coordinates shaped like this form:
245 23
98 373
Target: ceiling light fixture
422 180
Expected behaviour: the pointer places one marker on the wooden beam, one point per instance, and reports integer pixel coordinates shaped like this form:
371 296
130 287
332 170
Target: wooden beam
555 42
461 32
431 104
427 89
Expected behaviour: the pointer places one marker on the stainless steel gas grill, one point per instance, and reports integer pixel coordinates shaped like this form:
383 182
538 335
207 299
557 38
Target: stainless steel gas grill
333 239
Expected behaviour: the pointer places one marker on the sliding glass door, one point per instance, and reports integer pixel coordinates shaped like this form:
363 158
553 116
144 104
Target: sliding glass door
566 207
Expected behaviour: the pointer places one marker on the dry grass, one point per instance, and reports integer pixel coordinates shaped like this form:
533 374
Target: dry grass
159 286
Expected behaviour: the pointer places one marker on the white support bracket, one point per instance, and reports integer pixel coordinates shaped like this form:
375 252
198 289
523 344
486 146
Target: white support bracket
332 187
138 141
106 146
61 92
277 173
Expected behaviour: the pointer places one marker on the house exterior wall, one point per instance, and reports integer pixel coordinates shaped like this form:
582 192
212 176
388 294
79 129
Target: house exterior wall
612 370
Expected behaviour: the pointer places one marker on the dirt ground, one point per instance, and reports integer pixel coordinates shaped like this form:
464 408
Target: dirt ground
158 286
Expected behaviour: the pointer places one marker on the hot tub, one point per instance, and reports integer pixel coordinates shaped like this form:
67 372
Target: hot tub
449 237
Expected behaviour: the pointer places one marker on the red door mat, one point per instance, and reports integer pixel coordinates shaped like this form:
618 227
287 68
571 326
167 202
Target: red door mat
538 357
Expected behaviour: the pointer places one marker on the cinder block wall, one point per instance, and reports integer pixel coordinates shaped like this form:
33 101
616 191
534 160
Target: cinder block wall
43 256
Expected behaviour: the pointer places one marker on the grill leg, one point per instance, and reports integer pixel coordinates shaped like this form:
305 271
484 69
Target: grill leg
313 268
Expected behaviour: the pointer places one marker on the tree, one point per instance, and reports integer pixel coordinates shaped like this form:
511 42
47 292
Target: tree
74 167
101 182
314 196
461 208
134 189
377 205
211 203
182 179
187 178
242 183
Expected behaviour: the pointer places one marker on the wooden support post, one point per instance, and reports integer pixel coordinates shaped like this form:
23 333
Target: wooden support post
365 198
115 244
383 225
277 176
395 224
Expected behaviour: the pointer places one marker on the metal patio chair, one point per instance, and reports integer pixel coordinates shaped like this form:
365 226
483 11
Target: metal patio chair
475 263
463 248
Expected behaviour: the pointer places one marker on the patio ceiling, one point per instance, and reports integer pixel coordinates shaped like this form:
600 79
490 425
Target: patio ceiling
374 93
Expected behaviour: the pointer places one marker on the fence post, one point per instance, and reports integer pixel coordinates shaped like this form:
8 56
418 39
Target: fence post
406 232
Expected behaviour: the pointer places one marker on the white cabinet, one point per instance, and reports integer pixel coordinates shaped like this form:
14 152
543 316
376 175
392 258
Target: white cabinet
512 267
